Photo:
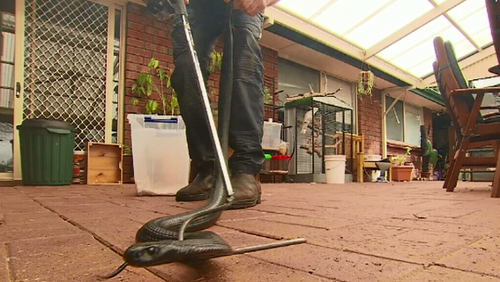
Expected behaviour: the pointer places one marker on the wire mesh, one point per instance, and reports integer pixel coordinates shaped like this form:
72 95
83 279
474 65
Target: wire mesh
65 65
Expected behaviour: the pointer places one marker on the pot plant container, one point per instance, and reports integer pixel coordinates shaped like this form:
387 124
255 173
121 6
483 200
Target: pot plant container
400 170
402 173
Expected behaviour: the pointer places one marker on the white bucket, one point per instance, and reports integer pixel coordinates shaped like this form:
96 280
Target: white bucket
335 169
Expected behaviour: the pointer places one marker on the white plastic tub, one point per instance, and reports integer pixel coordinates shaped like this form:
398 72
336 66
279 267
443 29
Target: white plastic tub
335 169
271 138
160 154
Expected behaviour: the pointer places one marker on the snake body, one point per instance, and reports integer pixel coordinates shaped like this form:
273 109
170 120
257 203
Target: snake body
158 240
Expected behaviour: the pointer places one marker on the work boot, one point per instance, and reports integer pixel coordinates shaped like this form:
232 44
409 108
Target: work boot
247 191
199 188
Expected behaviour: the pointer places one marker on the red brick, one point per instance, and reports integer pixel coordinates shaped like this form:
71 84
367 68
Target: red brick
139 35
156 48
140 19
135 8
129 82
130 58
135 42
162 41
164 58
160 25
136 67
132 109
131 74
139 51
156 32
135 26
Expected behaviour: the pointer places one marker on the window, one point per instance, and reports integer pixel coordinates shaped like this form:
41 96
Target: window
345 94
295 79
403 122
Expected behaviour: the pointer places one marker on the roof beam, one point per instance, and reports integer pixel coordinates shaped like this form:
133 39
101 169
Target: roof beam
320 10
328 38
458 27
374 13
412 26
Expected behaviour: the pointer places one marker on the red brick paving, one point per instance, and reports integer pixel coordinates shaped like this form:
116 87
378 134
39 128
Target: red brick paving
355 232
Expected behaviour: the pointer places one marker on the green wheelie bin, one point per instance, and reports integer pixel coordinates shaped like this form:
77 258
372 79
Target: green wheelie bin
46 152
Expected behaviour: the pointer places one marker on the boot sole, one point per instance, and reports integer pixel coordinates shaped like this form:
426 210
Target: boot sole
245 204
192 198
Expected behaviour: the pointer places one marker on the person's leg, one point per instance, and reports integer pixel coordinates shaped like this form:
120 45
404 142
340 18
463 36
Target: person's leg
206 27
247 111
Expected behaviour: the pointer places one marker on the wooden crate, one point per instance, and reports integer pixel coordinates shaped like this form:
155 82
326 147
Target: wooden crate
104 164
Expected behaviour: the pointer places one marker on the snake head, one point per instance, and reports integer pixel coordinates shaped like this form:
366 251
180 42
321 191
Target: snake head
199 246
150 253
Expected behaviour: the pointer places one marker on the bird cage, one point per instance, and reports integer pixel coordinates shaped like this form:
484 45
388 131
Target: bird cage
317 126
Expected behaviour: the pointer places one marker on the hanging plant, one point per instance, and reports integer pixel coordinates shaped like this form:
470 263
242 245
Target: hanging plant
365 83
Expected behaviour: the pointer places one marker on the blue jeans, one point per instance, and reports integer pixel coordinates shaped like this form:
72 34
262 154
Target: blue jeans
208 20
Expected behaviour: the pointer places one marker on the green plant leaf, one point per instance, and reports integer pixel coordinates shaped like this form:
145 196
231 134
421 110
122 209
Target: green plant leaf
142 91
219 61
151 107
134 102
168 83
433 157
161 74
174 102
164 104
427 148
127 150
153 64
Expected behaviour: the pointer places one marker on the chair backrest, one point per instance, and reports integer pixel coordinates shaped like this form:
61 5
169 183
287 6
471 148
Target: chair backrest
459 76
457 106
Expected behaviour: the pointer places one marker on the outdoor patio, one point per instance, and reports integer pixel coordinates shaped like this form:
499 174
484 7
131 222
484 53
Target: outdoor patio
355 232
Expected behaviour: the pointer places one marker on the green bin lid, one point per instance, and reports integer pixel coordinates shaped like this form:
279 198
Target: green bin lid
46 123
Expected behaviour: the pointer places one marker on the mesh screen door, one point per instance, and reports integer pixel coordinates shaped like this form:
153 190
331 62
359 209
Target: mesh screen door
66 65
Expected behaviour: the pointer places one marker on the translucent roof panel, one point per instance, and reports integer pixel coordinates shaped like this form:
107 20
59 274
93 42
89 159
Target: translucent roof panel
388 21
350 16
303 9
368 24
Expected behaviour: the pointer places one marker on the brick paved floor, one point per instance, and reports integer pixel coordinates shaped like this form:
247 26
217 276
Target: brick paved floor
355 232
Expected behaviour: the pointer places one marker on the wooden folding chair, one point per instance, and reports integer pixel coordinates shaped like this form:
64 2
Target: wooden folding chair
472 129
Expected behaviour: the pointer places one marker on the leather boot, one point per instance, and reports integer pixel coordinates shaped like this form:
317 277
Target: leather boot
247 191
199 188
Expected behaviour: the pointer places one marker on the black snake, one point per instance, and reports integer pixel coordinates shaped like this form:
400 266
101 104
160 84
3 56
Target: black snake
163 240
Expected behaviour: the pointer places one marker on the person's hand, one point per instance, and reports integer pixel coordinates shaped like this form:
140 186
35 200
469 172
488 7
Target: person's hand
186 2
250 7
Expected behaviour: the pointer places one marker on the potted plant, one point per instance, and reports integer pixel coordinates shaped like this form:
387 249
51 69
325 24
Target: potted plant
365 83
145 86
401 171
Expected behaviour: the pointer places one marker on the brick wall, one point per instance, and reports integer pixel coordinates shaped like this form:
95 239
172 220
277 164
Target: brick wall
147 38
270 78
370 122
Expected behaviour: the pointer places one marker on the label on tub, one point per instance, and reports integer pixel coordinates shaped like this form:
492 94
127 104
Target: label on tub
161 120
